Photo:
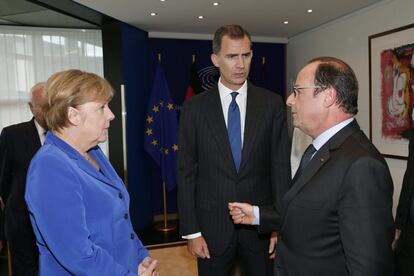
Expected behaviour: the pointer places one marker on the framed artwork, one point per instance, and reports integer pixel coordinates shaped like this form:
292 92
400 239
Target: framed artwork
391 74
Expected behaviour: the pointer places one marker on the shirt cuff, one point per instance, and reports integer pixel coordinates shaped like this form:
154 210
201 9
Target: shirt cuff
256 212
192 236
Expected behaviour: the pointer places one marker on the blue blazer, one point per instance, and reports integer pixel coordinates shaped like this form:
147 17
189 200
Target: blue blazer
80 216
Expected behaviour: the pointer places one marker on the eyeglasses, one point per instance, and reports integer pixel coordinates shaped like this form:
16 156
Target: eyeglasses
296 88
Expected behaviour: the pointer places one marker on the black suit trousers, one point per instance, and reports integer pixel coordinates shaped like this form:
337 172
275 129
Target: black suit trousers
237 257
22 243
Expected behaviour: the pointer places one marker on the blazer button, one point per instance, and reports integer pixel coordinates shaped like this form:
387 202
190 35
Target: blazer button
132 236
126 216
120 195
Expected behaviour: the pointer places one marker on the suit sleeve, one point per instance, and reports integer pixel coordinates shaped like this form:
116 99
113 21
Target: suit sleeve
56 205
270 215
5 173
365 218
187 172
403 208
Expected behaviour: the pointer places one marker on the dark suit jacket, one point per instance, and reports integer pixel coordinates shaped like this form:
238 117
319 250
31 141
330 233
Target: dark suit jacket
337 216
207 177
18 144
405 246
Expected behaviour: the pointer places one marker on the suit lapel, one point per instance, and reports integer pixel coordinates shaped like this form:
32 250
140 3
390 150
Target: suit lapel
32 138
215 120
252 122
321 157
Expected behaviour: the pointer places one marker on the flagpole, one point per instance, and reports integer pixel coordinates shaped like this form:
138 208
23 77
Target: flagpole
165 227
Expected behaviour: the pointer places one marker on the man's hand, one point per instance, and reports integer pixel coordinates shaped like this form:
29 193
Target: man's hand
241 213
147 267
396 238
272 245
198 247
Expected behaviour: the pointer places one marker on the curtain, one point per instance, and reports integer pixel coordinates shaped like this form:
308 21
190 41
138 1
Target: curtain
29 55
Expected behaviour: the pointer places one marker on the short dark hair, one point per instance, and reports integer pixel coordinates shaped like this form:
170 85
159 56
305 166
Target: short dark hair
333 72
233 31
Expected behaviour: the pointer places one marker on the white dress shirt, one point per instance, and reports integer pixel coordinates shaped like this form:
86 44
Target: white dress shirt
41 132
226 98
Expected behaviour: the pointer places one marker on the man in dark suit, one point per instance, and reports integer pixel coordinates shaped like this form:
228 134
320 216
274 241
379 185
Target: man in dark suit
337 215
18 144
2 237
404 234
233 146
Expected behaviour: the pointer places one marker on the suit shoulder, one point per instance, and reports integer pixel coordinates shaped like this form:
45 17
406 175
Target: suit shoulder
358 146
266 94
199 99
17 128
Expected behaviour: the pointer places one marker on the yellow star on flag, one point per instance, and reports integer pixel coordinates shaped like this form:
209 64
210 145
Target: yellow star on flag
150 119
166 151
154 142
149 131
162 103
155 109
175 147
170 106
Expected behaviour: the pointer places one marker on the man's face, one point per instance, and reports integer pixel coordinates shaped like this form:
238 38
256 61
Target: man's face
35 107
307 108
233 61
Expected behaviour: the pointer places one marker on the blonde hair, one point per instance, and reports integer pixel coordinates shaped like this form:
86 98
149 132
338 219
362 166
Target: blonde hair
72 88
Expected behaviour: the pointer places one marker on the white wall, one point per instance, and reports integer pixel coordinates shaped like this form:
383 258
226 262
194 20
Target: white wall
347 39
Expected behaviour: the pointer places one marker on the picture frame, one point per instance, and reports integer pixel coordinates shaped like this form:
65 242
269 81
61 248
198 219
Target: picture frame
391 87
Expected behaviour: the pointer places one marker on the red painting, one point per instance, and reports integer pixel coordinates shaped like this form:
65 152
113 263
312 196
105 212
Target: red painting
397 86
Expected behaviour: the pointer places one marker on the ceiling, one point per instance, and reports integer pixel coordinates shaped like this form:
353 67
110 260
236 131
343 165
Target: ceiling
262 18
24 13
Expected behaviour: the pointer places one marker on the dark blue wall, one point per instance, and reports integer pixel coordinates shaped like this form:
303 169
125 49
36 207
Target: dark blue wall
136 78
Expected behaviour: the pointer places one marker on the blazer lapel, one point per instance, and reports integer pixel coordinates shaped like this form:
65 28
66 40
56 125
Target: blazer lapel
321 157
84 165
213 112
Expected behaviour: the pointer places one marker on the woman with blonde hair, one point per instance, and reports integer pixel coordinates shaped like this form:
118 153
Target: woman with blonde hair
79 207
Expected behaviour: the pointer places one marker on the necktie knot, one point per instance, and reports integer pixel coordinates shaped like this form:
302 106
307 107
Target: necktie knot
233 99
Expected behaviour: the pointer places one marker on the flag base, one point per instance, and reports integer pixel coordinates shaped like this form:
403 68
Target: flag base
165 226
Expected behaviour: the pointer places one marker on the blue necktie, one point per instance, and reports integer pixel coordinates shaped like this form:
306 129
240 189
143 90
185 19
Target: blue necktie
306 158
234 130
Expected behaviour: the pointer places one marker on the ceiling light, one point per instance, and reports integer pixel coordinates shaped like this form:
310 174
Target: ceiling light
153 14
309 11
216 3
285 22
162 0
200 17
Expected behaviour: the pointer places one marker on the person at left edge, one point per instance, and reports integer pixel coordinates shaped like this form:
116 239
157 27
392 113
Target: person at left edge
18 145
79 207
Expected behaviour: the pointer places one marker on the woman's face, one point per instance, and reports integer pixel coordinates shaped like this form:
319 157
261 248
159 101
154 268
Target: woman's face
95 121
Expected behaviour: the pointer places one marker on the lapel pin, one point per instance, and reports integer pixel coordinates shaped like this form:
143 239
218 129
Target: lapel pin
322 159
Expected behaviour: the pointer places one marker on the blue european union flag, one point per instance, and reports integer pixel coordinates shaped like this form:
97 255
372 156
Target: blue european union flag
161 134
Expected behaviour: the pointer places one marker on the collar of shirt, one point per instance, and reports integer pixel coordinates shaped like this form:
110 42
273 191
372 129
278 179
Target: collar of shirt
241 99
40 131
327 134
